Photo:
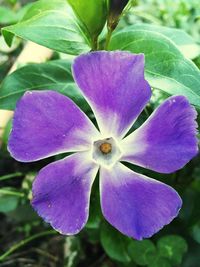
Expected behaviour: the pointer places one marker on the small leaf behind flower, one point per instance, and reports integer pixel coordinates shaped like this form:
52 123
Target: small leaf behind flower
8 203
172 247
54 75
185 43
141 252
114 243
95 17
52 24
166 68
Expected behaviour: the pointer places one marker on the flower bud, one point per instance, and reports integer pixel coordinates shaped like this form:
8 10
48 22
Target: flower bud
92 13
115 9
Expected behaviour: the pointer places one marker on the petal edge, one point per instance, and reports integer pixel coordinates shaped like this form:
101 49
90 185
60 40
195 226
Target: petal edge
167 140
113 84
47 123
61 193
136 205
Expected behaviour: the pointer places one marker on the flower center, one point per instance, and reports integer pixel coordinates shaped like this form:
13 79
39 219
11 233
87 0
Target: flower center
105 148
106 152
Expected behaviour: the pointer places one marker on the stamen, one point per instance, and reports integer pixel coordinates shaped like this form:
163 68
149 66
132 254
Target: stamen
105 148
105 151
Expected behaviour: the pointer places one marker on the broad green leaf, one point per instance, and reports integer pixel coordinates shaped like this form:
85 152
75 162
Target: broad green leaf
54 75
166 68
52 24
186 44
141 252
172 247
95 17
114 243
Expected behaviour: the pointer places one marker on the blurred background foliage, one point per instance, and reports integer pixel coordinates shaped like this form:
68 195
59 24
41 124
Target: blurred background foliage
25 240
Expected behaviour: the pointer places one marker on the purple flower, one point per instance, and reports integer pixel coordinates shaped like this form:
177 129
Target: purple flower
47 123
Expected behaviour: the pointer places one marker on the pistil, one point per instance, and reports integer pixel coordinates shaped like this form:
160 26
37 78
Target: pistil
105 148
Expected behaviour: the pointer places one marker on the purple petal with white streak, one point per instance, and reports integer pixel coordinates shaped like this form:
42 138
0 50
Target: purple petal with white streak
61 192
136 205
47 123
114 86
167 140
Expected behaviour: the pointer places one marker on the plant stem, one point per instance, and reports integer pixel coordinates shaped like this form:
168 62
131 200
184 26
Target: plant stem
95 43
11 193
10 176
108 37
24 242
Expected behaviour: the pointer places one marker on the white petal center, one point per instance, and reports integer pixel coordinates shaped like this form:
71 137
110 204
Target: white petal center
106 152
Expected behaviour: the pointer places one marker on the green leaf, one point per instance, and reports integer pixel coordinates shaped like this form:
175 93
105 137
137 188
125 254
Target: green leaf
52 24
8 203
141 252
54 75
160 262
23 214
7 16
5 135
95 215
3 59
95 17
195 232
172 247
166 68
114 243
4 48
186 44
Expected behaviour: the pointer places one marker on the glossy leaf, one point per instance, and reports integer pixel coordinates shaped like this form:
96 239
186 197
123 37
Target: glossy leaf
166 68
186 44
54 75
52 24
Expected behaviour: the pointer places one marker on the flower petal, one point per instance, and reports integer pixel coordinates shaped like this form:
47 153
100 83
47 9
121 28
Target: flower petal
61 192
136 205
113 83
167 140
47 123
